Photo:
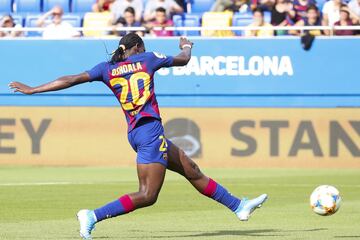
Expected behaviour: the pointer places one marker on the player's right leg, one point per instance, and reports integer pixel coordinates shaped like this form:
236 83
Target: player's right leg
148 141
179 162
151 177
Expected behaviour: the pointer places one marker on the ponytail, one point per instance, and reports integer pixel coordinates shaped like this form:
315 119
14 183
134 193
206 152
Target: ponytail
118 55
128 41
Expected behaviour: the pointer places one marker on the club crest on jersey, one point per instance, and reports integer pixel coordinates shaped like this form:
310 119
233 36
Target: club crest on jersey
126 68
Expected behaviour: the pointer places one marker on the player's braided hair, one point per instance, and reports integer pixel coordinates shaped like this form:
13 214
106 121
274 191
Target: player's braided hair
128 41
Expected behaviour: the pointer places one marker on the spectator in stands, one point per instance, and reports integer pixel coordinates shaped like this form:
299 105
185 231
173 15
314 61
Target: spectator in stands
102 5
182 3
331 12
265 5
354 6
282 14
346 20
57 28
127 21
170 6
300 7
119 6
8 22
220 5
312 19
238 6
258 16
161 20
241 6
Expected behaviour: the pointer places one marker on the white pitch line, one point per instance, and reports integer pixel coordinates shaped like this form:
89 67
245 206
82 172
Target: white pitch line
48 183
296 185
35 184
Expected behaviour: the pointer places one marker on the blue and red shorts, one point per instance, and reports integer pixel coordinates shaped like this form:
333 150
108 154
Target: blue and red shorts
148 140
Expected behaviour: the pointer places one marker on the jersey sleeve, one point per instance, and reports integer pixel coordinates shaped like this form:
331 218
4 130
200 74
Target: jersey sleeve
159 60
96 73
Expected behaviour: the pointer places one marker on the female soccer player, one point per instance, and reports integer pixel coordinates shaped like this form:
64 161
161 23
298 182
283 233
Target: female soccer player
129 75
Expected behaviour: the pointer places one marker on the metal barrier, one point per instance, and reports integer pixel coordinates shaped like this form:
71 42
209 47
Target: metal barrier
213 28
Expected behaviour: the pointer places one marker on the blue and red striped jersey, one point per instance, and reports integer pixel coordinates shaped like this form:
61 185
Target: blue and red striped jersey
132 82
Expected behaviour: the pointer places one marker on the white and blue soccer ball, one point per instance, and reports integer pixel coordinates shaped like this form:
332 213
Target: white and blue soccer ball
325 200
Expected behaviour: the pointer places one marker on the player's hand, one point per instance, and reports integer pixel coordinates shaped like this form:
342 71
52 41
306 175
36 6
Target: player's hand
184 41
19 87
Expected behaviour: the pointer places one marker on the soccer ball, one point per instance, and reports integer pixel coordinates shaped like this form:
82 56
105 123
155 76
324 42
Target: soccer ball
325 200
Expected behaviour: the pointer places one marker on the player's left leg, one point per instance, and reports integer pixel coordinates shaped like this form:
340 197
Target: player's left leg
179 162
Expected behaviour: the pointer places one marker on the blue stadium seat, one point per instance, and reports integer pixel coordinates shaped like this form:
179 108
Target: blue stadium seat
18 19
30 21
49 4
82 6
241 20
186 20
27 6
267 16
73 19
5 6
201 6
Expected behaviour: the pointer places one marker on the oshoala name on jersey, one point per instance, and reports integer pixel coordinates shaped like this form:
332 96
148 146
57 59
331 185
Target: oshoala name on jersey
126 68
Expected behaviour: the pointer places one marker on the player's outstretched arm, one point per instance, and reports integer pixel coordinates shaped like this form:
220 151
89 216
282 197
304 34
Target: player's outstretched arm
184 57
58 84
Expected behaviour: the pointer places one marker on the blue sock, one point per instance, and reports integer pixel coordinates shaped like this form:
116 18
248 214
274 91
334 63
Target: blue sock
221 195
118 207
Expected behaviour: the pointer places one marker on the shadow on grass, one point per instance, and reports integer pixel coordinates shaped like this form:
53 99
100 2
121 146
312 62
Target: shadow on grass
307 230
193 234
255 232
221 233
358 236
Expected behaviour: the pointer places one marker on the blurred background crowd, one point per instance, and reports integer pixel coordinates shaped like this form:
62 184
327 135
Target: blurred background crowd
61 18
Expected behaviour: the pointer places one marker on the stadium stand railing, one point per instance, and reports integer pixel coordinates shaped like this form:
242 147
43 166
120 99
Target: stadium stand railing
101 31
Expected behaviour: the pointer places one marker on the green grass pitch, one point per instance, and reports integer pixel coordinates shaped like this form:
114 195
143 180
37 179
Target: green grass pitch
41 203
